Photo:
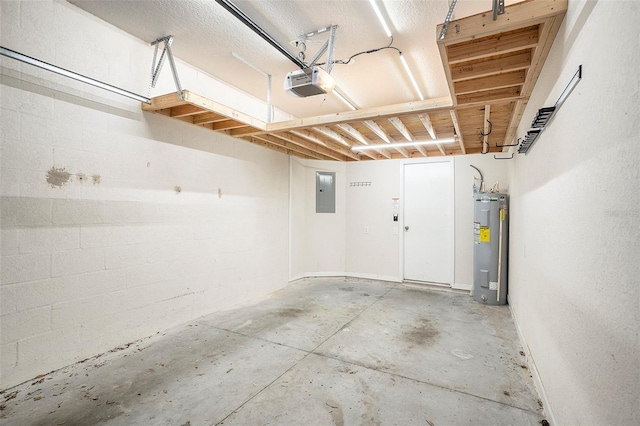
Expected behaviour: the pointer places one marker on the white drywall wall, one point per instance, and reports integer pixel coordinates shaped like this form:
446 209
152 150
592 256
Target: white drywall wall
374 254
317 239
377 254
575 214
117 224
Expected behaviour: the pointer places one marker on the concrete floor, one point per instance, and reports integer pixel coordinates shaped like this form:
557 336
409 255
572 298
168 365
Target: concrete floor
320 352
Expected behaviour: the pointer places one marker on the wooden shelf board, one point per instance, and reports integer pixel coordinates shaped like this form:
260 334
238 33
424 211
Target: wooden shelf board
488 64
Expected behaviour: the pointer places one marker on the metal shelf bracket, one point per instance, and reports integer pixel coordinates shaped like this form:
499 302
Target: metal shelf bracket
447 20
157 68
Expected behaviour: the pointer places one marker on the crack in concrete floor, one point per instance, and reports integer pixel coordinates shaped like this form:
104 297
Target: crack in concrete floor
320 351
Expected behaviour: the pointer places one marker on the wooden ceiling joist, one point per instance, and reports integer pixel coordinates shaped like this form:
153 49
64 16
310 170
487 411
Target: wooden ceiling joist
497 81
207 118
491 69
184 110
456 126
491 45
334 146
364 114
495 64
295 147
426 122
327 152
488 67
406 133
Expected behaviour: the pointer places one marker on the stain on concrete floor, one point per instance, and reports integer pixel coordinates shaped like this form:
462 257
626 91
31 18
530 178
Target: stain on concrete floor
200 373
423 332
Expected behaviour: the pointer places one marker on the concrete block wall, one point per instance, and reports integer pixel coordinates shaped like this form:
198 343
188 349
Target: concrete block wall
116 224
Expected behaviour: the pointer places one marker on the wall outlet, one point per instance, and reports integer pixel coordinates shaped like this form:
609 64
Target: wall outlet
366 229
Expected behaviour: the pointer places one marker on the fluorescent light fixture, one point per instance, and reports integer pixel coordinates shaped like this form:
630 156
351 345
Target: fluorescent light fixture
413 80
344 100
380 17
357 148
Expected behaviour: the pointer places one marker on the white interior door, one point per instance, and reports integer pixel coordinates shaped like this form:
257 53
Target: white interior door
428 222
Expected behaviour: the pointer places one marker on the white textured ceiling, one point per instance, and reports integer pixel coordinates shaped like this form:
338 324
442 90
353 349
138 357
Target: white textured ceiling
206 35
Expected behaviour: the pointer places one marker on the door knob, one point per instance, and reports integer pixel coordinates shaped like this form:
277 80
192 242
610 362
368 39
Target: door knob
406 228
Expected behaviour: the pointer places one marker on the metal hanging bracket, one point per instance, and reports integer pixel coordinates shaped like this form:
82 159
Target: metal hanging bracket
157 68
490 129
443 32
498 8
513 144
503 158
485 144
328 46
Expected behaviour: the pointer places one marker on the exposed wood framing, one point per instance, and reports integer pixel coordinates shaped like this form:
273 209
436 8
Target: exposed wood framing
399 125
488 128
491 69
456 126
426 122
495 64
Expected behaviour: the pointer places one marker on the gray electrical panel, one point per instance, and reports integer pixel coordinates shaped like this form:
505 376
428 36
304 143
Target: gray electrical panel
325 192
491 238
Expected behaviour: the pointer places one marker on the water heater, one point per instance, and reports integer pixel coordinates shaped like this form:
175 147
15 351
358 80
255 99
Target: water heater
491 239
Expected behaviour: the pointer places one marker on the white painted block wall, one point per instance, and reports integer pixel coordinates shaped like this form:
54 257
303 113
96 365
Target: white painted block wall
575 240
158 222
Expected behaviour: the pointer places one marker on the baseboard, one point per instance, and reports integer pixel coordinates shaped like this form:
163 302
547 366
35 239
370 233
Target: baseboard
317 275
297 278
454 286
374 277
344 275
465 287
537 381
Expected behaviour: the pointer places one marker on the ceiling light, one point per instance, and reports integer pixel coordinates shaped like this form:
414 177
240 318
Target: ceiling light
357 148
380 18
413 80
344 100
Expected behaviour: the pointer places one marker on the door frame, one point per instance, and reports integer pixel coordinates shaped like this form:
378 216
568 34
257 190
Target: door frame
451 219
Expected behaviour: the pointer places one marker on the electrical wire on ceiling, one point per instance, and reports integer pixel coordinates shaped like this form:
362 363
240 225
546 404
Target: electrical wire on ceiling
346 61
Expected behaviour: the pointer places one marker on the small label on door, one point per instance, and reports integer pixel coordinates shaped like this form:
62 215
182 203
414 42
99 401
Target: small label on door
485 234
493 285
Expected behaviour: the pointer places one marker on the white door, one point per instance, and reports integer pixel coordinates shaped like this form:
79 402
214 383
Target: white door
428 222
